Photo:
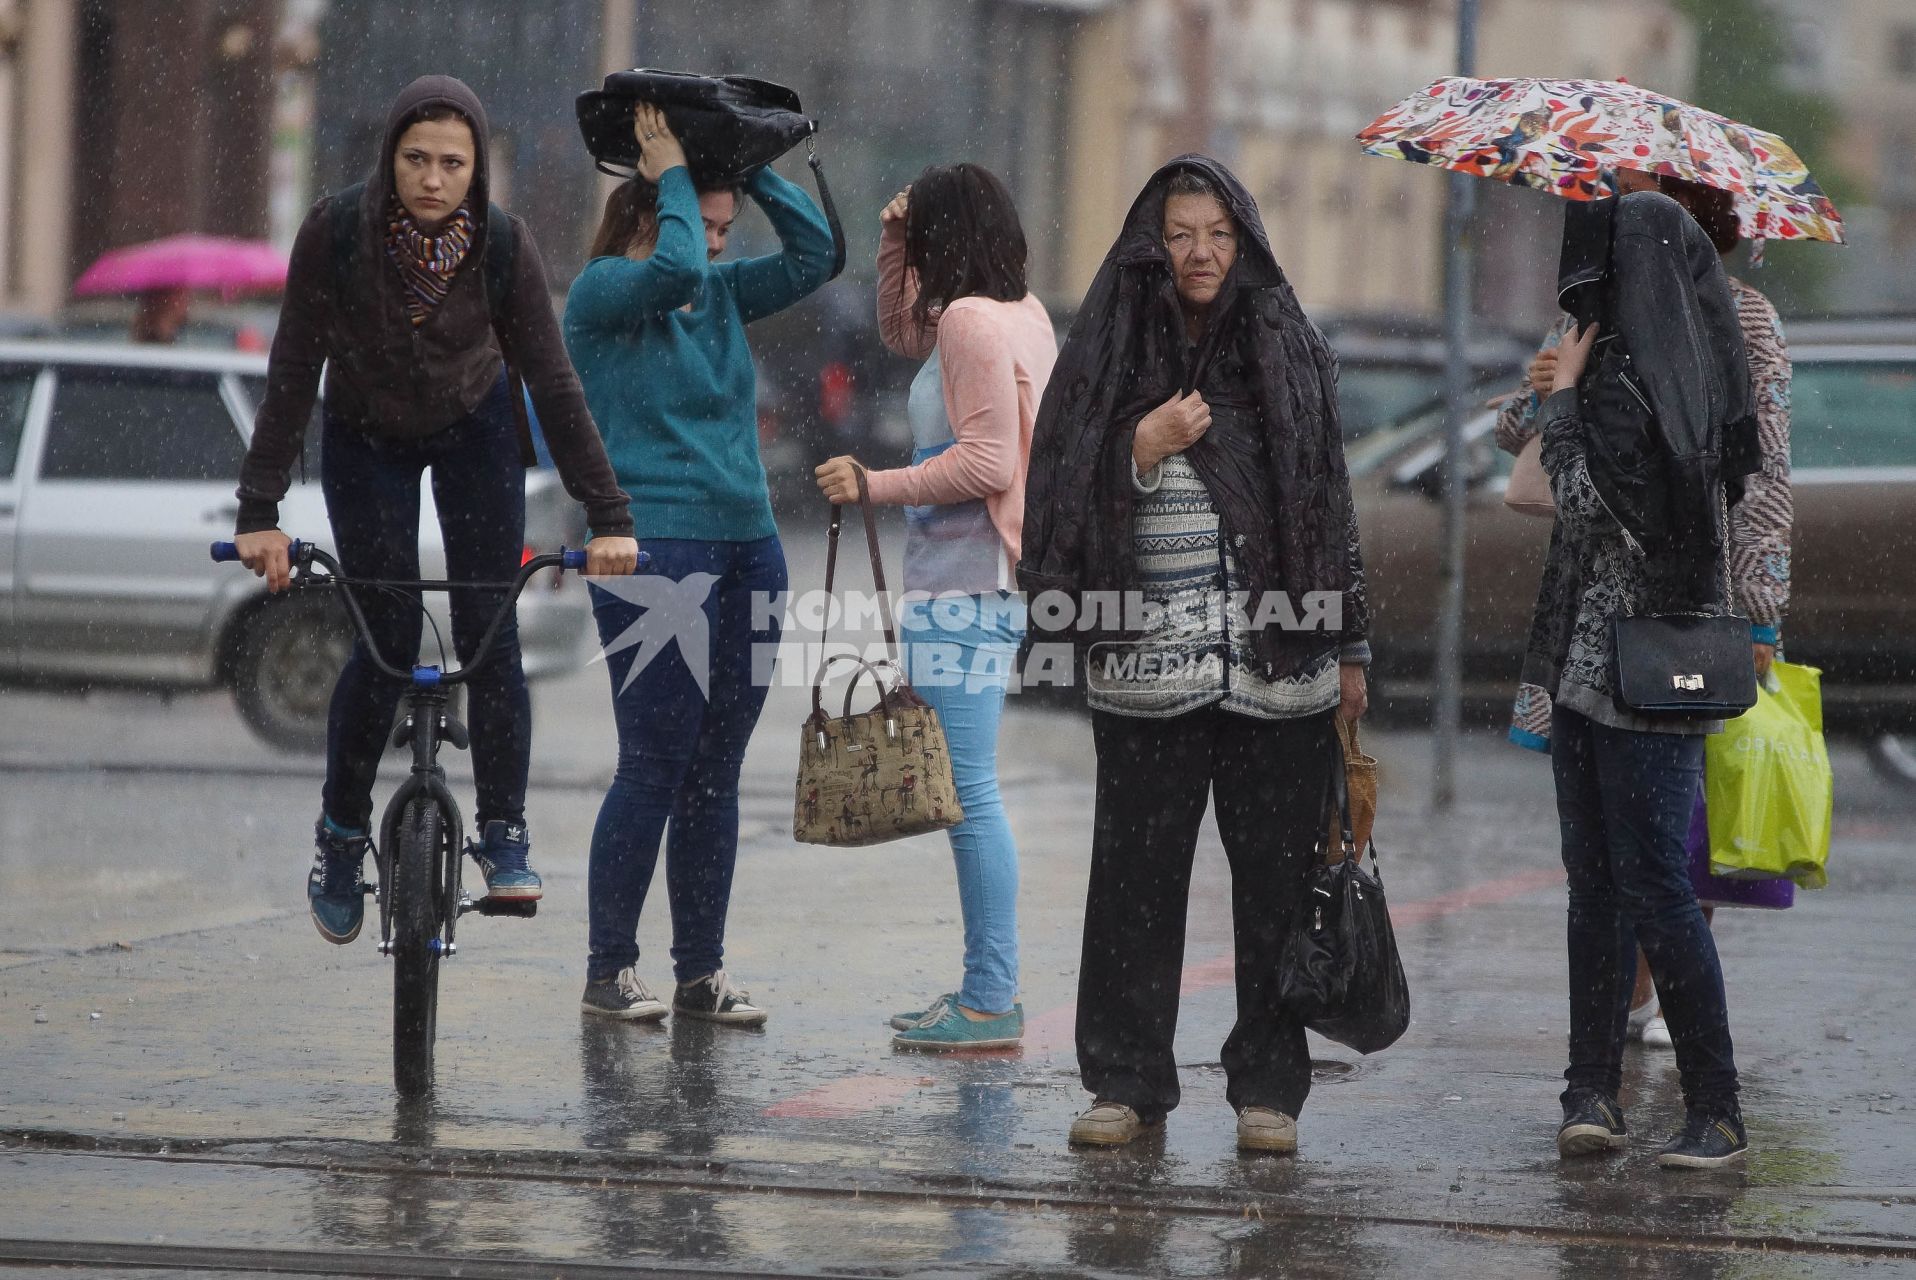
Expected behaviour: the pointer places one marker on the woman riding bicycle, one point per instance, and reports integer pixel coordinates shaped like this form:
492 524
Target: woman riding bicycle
399 288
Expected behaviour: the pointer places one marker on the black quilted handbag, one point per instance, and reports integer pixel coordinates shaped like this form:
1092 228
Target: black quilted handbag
730 127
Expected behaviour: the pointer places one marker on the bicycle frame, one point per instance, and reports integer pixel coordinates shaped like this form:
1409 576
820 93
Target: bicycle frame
426 726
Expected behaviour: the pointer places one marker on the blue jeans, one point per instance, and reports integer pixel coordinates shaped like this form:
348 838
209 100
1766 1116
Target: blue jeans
1624 800
372 499
680 745
958 653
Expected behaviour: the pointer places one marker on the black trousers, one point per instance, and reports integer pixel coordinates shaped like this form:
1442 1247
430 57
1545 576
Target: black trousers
1271 779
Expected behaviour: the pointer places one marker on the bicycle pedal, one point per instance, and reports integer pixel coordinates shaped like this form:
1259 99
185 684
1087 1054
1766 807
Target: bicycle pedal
521 908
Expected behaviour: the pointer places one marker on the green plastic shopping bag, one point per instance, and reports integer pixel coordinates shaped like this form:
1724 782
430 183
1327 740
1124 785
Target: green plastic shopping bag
1766 778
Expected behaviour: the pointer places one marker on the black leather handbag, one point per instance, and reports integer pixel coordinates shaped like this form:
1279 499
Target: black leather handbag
1339 972
1682 666
730 127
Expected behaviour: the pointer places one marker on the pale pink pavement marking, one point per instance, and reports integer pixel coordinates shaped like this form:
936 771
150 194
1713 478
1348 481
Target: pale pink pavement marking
1051 1032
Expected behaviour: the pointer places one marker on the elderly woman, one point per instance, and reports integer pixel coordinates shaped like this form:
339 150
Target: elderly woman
1642 528
1187 467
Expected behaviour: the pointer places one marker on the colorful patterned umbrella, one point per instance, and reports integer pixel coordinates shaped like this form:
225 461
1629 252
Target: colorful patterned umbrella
1561 136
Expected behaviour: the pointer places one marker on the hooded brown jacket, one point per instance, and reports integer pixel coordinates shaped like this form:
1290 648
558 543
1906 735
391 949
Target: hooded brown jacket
392 379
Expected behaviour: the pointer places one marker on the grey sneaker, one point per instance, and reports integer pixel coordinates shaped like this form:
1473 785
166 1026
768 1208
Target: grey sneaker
714 999
624 997
930 1013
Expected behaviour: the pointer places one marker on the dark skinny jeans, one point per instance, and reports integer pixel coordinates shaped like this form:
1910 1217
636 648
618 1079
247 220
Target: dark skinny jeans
1624 801
680 749
372 499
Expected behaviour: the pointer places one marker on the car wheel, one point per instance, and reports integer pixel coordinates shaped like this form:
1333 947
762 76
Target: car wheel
285 665
1894 755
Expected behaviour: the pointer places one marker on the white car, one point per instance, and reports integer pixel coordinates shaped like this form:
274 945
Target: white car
117 469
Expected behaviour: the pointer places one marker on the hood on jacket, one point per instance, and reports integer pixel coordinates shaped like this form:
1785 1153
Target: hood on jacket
1645 269
430 91
1283 486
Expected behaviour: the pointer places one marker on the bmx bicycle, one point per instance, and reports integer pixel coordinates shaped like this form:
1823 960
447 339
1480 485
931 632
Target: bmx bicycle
418 854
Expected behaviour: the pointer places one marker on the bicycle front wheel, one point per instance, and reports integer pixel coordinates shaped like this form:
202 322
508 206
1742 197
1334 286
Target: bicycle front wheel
417 915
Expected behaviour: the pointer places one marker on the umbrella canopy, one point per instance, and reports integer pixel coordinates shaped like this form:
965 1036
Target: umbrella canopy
187 262
1561 136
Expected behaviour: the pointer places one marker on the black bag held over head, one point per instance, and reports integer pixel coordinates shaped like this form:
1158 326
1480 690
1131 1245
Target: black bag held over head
1340 973
1682 666
730 127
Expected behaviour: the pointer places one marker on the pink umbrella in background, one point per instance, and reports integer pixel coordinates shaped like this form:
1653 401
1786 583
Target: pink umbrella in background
193 262
165 273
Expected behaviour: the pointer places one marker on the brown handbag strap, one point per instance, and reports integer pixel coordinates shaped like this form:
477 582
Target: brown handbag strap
1347 735
878 580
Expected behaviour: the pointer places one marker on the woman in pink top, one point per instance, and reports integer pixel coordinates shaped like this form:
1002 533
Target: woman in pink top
951 292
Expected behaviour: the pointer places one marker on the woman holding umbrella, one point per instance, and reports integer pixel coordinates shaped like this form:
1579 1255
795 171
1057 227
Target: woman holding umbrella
1642 522
1761 514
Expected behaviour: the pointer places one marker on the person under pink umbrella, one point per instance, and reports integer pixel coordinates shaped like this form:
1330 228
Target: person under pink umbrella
165 273
161 314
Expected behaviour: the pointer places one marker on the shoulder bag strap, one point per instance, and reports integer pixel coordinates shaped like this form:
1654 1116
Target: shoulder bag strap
878 580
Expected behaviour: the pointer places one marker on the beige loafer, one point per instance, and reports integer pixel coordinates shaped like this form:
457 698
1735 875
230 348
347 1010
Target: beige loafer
1106 1124
1264 1129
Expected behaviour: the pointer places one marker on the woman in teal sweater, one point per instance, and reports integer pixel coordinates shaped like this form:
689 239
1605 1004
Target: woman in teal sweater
656 329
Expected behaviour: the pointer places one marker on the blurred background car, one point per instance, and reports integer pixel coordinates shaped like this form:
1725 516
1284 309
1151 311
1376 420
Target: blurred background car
117 470
1852 600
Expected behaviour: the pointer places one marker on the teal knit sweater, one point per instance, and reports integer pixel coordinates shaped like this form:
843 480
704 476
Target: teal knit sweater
660 348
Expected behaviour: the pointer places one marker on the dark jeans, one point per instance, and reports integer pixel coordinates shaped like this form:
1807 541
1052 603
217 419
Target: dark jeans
1624 799
1154 777
372 499
680 746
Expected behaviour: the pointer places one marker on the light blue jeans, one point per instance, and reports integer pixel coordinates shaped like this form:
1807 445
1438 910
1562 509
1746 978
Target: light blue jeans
959 652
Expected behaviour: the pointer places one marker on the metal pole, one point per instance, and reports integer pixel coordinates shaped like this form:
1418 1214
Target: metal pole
1459 265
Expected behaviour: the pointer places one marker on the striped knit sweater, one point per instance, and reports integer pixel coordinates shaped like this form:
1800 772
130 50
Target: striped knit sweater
1760 523
1198 652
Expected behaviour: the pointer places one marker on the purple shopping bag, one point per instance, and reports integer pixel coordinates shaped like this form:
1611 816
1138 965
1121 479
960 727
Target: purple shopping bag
1721 891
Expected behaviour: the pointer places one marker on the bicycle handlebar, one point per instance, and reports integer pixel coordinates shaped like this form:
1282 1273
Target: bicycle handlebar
304 555
228 552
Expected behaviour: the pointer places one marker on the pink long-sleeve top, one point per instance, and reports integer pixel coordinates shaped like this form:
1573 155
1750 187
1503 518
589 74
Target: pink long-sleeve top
993 359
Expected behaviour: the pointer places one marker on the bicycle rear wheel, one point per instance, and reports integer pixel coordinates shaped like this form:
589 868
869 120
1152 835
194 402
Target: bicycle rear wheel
417 914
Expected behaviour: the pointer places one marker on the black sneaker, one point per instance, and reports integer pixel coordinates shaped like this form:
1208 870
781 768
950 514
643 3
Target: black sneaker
1708 1141
624 997
715 999
1592 1125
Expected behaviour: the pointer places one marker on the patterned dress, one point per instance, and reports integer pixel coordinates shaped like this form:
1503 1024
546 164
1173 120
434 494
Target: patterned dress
1759 523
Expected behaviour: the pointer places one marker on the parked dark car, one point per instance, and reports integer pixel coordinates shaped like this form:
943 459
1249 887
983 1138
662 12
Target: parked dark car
1853 597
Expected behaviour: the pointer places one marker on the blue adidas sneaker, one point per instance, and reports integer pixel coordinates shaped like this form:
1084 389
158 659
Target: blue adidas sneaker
504 856
334 893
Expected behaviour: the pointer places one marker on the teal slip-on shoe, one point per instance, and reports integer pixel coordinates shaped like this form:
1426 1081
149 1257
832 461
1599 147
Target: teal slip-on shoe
953 1032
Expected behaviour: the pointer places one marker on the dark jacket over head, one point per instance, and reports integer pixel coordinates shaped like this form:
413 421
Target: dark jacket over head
1273 460
1668 406
389 378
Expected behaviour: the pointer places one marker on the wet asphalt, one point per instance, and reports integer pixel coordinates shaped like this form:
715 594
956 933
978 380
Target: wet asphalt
192 1081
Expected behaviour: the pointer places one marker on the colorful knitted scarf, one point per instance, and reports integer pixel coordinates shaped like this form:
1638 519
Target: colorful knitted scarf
426 262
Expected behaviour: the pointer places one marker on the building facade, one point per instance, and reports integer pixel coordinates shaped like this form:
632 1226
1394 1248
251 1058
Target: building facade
1279 88
1862 55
